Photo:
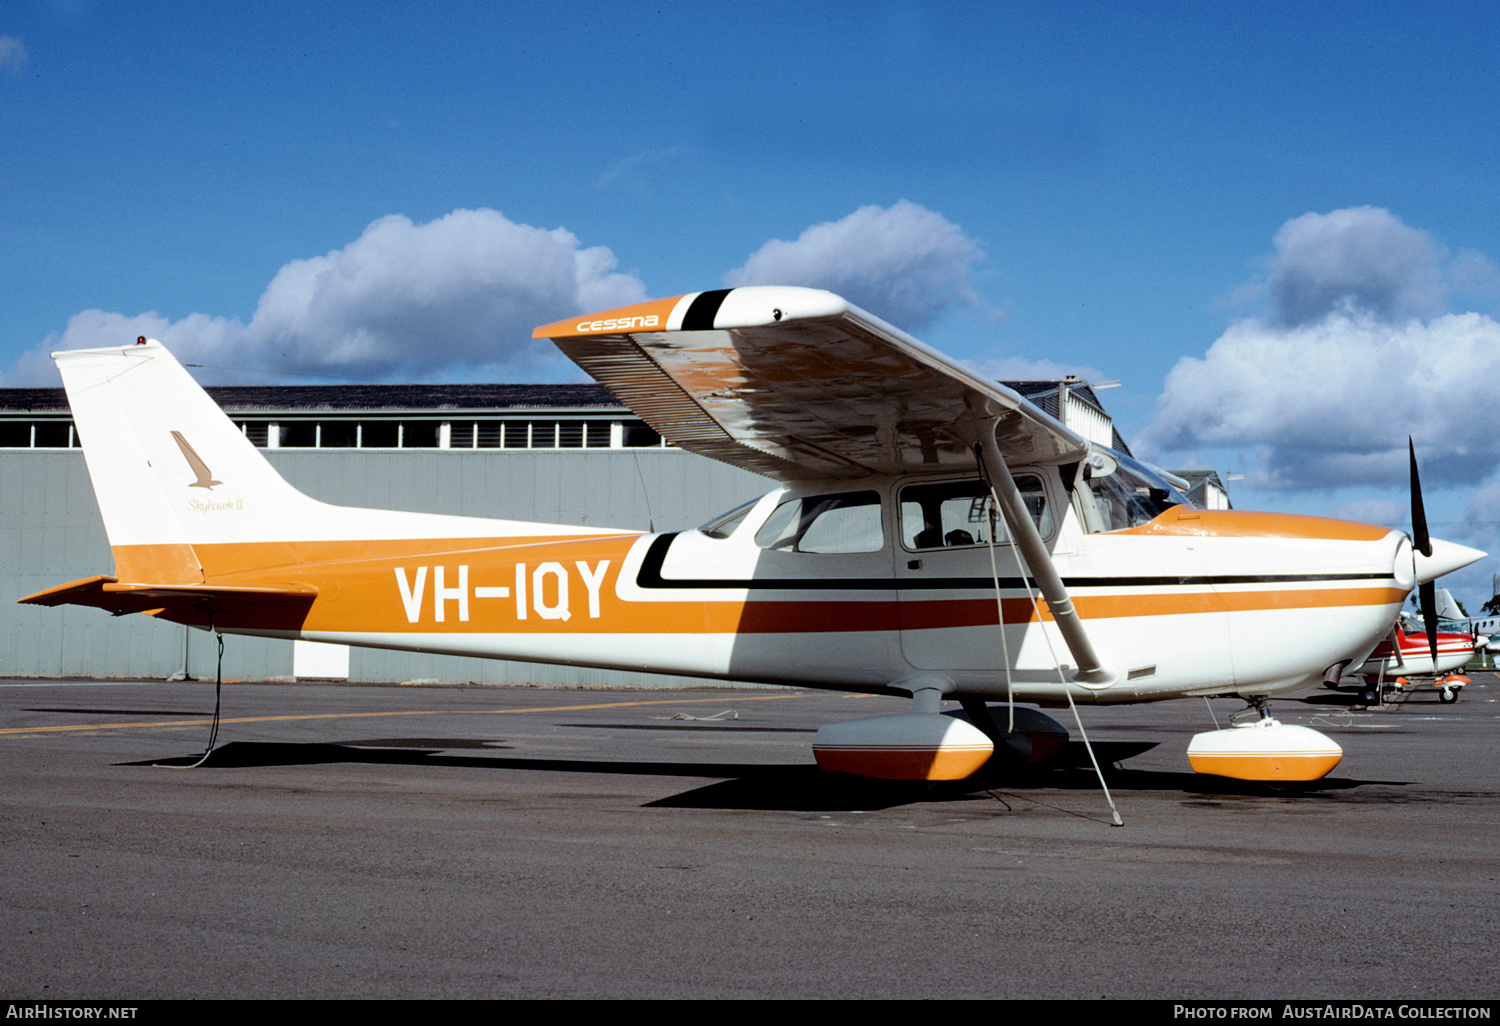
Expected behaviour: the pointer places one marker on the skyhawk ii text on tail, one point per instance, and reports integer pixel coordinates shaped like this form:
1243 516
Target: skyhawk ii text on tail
918 506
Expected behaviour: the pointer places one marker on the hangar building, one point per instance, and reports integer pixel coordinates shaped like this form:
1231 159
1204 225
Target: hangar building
566 454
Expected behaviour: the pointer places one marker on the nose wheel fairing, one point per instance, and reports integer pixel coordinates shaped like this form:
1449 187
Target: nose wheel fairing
1266 750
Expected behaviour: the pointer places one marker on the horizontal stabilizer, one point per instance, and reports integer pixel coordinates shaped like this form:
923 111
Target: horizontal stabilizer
104 592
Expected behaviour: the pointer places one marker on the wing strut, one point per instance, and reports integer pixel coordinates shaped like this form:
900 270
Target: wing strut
1091 673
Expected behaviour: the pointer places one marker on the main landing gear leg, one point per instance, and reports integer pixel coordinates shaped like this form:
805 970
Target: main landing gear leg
1009 747
1021 735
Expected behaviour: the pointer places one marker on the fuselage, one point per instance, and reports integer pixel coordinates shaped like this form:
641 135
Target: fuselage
861 588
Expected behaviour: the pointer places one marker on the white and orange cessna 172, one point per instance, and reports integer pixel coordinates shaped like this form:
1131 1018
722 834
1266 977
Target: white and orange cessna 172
914 497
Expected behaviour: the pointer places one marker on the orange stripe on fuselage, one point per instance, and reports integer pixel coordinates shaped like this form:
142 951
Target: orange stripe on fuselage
935 613
392 586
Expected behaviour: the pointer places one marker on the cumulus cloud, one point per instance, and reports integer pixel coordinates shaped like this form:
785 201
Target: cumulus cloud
904 263
455 298
1332 403
1356 353
1474 275
1359 260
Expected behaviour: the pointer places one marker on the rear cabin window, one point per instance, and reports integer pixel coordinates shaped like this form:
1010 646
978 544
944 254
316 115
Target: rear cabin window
953 514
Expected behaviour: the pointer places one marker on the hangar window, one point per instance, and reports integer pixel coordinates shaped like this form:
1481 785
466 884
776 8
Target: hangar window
338 434
419 434
551 434
378 434
53 434
297 434
38 434
637 435
255 430
277 433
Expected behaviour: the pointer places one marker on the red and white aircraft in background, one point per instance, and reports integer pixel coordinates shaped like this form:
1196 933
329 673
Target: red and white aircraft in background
918 507
1408 658
1406 654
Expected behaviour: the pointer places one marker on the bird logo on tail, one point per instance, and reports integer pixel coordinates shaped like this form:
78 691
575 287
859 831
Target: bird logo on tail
205 476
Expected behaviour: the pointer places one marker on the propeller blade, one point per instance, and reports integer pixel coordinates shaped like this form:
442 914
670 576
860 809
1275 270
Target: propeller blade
1428 595
1422 542
1420 539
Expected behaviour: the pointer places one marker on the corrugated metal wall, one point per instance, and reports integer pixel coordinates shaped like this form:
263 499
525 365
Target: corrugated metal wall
50 533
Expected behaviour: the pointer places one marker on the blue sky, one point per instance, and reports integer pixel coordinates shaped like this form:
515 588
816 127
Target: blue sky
1277 223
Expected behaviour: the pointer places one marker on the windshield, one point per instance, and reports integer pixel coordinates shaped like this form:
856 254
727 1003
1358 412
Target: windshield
723 525
1127 493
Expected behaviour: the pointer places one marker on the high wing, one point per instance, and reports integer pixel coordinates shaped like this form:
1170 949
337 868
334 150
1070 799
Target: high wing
798 383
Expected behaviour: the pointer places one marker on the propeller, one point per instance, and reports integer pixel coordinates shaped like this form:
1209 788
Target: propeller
1422 542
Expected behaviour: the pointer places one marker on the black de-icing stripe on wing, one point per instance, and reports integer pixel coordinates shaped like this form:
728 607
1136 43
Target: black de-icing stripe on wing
702 310
649 577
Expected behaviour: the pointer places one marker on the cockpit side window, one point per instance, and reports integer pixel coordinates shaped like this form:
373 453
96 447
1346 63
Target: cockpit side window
849 522
956 513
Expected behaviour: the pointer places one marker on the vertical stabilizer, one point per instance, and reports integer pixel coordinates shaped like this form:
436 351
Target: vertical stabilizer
168 468
1447 607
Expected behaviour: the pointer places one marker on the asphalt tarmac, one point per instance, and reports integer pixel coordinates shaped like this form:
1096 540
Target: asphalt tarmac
349 841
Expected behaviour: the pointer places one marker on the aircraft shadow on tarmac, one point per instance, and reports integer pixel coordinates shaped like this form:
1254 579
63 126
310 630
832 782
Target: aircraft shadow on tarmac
762 787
